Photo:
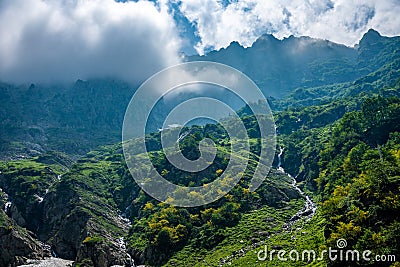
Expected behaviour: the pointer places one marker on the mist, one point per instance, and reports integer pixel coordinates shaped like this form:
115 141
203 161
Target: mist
62 41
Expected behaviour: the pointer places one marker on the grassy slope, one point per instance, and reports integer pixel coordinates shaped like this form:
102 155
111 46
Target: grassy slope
256 229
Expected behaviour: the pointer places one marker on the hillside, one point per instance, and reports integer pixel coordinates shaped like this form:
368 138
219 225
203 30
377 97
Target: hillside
86 199
75 118
67 193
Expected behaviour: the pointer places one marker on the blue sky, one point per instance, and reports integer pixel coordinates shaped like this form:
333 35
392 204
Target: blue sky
65 40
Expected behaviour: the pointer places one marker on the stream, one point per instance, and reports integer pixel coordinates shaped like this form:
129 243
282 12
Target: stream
306 213
309 208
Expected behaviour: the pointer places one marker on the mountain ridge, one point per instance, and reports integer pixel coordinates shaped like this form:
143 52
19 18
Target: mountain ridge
64 180
280 66
80 117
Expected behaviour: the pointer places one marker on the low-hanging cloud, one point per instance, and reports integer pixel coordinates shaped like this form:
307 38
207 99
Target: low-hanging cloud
65 40
341 21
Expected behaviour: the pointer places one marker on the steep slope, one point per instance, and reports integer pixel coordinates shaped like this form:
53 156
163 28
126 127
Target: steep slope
387 76
352 163
280 66
70 210
79 117
17 244
69 118
78 207
335 138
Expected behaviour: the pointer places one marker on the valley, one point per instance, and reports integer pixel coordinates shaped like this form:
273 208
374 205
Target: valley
67 195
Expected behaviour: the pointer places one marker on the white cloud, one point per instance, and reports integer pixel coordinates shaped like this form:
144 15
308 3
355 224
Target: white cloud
340 21
63 40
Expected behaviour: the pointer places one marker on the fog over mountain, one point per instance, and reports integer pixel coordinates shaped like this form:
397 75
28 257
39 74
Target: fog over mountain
62 41
67 192
69 195
221 22
280 66
93 110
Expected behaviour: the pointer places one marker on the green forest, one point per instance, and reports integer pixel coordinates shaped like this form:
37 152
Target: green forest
338 147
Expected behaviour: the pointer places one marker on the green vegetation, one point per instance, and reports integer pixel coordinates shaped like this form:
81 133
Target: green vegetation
352 165
346 154
255 229
339 131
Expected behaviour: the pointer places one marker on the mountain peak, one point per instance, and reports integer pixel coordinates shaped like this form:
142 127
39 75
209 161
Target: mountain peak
267 36
265 39
373 32
370 37
234 44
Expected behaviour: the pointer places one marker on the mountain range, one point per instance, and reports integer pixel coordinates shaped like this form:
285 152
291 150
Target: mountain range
78 117
66 192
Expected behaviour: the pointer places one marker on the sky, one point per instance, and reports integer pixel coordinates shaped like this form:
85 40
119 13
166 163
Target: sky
66 40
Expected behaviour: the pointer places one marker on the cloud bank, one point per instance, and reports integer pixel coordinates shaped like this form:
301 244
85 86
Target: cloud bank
65 40
342 21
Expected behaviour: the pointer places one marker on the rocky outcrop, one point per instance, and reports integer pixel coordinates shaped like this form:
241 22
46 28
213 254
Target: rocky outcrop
102 253
81 227
62 228
149 254
277 190
64 211
17 245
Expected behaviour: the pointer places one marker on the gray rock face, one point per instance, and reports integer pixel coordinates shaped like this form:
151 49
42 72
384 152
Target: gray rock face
61 213
68 222
61 228
101 255
16 245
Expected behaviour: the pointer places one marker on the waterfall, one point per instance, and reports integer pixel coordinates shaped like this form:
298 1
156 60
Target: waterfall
309 206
